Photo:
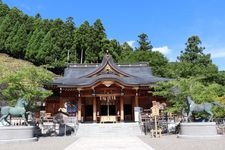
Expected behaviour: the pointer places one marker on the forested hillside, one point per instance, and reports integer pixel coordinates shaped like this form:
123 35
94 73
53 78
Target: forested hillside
54 43
21 78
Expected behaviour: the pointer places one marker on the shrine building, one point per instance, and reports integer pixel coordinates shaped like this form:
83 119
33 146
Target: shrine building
104 92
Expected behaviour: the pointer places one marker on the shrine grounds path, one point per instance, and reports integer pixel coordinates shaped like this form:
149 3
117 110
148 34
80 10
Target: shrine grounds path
171 142
166 142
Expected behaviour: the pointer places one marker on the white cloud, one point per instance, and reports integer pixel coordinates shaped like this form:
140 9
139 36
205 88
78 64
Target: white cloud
217 53
163 49
131 43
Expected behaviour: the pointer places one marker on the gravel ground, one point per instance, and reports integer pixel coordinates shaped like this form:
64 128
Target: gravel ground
44 143
171 142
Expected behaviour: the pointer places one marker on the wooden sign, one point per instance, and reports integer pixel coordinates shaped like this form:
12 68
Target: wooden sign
155 110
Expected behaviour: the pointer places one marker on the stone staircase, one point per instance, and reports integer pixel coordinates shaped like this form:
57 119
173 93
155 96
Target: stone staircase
109 129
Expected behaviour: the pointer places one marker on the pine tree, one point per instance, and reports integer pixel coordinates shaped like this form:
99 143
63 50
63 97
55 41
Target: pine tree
5 29
13 16
193 62
9 41
193 51
144 43
34 45
93 48
4 9
68 30
44 50
19 42
81 40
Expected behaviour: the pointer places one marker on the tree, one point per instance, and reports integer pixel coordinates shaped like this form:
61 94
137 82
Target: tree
126 53
193 61
156 60
27 83
99 39
193 51
144 44
176 91
81 40
4 9
7 25
67 31
158 63
19 42
37 16
45 48
9 41
29 24
113 47
34 45
5 29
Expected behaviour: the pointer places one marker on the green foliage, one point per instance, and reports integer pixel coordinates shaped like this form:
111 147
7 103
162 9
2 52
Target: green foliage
193 62
81 39
158 62
126 52
113 47
34 45
4 9
7 26
27 83
19 42
176 91
194 75
54 43
193 52
144 44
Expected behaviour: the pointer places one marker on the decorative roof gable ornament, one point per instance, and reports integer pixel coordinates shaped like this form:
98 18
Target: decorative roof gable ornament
108 67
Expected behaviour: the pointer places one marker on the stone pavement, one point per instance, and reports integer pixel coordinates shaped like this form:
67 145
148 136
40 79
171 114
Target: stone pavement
109 136
109 143
116 137
171 142
44 143
166 142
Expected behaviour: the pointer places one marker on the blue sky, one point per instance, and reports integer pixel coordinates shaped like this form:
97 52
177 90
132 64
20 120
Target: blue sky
168 23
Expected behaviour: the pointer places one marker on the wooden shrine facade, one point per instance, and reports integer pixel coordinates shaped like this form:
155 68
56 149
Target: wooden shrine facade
104 92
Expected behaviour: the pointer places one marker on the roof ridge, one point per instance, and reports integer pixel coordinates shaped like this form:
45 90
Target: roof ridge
107 60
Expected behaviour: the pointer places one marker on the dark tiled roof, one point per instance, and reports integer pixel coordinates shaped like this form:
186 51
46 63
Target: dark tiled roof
87 75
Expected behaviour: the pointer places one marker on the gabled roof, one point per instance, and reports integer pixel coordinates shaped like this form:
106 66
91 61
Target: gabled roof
84 75
107 63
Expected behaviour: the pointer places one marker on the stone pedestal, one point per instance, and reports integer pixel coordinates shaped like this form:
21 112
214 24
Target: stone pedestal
10 134
198 130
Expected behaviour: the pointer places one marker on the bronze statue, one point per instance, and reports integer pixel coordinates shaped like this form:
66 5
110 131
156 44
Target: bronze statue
18 110
193 107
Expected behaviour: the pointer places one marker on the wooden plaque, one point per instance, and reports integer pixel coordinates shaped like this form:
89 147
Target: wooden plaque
155 111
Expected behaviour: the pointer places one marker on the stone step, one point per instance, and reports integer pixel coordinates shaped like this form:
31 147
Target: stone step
109 129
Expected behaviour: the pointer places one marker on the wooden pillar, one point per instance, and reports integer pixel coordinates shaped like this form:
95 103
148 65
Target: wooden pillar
94 109
136 99
79 109
121 108
62 100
